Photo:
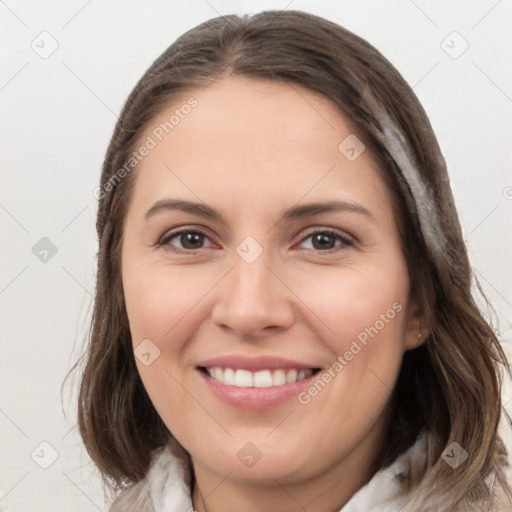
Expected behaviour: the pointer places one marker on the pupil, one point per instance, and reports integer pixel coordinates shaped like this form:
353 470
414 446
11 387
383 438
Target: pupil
188 239
322 238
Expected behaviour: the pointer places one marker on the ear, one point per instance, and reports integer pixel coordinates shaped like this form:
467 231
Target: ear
416 332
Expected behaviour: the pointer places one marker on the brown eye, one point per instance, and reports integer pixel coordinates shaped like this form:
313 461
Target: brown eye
325 240
188 239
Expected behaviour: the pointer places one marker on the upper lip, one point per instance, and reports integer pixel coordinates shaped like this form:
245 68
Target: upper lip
254 364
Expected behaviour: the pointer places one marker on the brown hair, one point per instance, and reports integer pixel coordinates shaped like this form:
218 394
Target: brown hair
450 385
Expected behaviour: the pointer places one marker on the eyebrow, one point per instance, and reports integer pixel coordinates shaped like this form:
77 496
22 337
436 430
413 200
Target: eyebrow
295 212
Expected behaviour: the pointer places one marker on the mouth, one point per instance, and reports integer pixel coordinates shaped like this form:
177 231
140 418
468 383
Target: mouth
266 378
255 383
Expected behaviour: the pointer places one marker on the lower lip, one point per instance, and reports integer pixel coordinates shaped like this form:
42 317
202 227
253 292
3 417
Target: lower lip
255 399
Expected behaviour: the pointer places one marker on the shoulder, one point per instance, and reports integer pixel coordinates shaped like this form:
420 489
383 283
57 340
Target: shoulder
165 488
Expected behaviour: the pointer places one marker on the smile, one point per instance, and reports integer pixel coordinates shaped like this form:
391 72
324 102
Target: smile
260 379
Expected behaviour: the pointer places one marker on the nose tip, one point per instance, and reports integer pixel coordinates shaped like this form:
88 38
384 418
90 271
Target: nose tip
252 299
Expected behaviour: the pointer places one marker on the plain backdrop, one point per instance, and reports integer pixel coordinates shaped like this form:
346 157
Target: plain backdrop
67 68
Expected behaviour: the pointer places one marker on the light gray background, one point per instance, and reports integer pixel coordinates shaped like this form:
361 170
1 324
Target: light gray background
57 115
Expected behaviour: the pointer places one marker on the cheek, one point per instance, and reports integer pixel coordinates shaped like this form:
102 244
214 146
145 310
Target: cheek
161 301
165 305
358 305
361 318
162 305
370 326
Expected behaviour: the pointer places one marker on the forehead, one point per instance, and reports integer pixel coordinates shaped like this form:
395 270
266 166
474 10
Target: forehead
239 113
268 140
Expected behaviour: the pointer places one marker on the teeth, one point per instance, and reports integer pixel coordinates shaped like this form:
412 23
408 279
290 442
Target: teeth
278 378
243 378
229 376
261 379
291 376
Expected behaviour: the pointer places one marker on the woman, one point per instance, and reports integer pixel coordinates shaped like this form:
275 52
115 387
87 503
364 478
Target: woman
283 317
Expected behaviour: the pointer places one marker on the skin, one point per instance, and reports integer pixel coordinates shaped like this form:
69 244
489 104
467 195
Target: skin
251 149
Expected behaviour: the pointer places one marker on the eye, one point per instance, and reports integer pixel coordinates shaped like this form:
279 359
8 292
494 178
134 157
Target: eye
324 240
190 239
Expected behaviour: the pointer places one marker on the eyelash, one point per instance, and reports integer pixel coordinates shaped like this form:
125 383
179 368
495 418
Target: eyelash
339 235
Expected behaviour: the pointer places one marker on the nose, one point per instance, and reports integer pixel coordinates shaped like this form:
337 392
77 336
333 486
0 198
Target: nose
253 300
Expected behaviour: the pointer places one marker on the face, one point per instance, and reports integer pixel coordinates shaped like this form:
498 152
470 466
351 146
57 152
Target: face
269 333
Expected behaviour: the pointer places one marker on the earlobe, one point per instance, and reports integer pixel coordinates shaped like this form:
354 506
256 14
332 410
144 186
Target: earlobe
420 339
416 334
414 341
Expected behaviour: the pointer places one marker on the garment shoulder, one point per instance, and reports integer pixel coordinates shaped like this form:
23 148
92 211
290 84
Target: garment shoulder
165 488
